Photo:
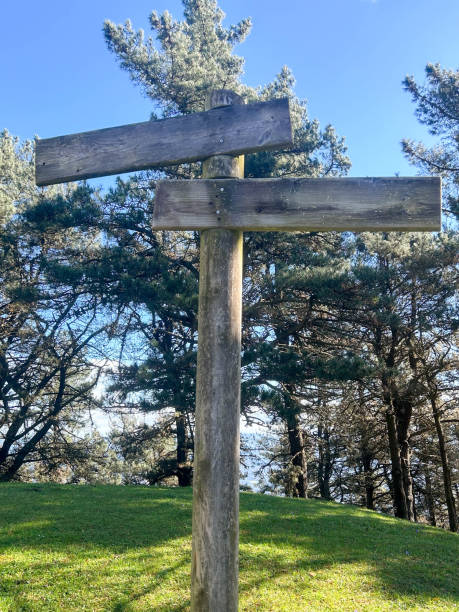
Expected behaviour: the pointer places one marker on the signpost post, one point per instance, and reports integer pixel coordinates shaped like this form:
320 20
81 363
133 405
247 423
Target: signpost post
214 568
224 204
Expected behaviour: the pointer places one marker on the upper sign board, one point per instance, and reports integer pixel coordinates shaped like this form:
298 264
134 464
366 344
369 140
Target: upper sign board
227 130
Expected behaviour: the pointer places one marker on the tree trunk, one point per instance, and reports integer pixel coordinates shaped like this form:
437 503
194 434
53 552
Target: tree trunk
398 489
184 469
324 466
403 411
452 515
20 456
405 457
398 417
298 455
9 437
368 479
29 446
429 498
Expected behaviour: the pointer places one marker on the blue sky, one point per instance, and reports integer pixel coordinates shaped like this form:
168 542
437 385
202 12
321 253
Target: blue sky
348 56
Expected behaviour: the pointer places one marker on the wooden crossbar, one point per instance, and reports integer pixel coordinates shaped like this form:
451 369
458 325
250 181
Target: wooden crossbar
227 130
322 204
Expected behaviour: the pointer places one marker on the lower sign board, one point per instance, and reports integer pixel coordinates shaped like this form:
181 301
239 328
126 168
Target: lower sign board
322 204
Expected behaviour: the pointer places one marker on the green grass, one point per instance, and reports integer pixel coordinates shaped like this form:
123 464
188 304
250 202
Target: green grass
126 549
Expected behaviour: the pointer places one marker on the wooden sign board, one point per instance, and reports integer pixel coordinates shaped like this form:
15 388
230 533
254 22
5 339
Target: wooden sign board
322 204
227 130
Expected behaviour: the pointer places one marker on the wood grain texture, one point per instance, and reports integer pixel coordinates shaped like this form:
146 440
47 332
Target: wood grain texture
228 130
342 204
222 97
223 166
214 573
216 458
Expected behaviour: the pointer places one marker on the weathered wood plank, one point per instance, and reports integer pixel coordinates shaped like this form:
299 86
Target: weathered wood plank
323 204
227 130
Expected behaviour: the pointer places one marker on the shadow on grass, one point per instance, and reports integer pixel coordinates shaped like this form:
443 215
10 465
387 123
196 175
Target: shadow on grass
92 548
124 604
401 559
134 542
118 518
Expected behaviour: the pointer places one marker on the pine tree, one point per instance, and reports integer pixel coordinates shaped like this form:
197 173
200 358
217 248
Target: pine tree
15 174
176 71
403 302
47 328
437 107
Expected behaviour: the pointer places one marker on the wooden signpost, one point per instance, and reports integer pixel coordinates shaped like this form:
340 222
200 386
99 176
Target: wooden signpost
223 205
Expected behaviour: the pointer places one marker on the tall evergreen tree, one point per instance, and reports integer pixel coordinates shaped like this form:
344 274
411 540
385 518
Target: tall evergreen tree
403 299
176 71
47 328
437 107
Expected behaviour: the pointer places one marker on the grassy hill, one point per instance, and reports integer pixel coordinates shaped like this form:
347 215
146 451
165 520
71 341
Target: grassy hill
128 548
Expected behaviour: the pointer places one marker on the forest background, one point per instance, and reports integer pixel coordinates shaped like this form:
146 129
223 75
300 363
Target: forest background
349 359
